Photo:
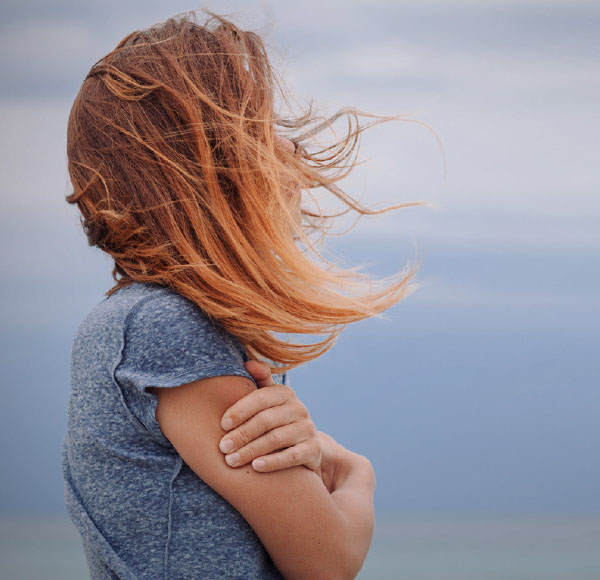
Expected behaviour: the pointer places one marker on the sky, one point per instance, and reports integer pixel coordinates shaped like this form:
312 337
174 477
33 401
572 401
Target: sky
476 395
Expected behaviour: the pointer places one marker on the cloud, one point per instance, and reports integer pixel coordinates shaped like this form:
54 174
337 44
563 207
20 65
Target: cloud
43 60
518 121
46 48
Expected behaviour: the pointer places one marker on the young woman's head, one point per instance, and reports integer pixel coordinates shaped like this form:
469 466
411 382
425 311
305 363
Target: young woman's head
185 174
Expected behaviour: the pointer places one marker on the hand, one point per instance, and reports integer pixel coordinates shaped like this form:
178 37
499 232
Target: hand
270 427
332 460
337 463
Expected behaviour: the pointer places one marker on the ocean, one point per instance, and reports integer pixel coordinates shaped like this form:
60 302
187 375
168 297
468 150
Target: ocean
411 549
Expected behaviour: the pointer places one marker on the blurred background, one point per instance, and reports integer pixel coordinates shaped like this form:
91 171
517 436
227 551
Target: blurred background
477 397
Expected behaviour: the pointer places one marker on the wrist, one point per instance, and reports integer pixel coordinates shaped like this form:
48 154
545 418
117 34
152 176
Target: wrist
362 469
355 470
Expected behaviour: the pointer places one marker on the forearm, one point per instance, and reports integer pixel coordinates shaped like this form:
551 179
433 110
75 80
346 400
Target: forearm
353 497
310 531
343 529
332 533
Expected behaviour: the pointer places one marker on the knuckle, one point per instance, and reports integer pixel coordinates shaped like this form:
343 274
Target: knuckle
262 398
267 422
299 407
306 427
283 392
295 456
242 436
247 454
317 452
311 430
275 439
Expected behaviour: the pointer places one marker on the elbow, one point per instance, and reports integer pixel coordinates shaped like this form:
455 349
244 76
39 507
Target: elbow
341 572
342 566
349 569
345 566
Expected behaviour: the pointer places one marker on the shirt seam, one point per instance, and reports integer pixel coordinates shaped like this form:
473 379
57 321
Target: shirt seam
119 359
178 464
204 370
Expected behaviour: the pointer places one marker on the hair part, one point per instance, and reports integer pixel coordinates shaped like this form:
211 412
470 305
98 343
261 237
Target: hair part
178 176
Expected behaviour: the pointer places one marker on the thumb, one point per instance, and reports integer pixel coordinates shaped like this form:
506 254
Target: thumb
261 372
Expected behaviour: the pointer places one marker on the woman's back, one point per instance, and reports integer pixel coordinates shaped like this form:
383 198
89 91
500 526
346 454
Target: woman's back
141 511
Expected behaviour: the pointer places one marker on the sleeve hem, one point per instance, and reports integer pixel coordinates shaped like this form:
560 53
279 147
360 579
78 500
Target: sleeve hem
148 422
182 379
204 372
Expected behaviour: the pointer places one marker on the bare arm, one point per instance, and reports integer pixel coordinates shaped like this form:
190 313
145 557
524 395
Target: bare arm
269 427
310 531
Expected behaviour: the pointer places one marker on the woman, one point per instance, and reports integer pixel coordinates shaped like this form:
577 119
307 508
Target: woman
182 175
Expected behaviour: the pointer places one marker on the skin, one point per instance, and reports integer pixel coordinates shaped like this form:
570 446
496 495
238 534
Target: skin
265 421
312 527
271 427
315 523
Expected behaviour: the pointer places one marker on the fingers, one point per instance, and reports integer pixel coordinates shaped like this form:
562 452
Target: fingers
261 423
269 427
306 453
261 372
272 441
253 403
278 449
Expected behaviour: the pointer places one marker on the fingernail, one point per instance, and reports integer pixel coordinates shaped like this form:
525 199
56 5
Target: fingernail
258 464
226 424
226 445
232 459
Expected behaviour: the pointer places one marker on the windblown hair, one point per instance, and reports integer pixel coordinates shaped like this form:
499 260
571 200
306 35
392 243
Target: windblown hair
178 176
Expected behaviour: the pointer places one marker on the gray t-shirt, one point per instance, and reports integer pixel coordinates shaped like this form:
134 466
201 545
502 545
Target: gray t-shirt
140 510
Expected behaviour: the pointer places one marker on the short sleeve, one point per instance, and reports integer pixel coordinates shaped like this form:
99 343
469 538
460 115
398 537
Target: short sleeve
168 341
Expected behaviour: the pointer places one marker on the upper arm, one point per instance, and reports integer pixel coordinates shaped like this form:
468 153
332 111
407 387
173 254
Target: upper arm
290 510
168 341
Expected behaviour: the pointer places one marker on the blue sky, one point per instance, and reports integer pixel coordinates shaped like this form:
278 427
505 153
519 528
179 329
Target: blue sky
479 394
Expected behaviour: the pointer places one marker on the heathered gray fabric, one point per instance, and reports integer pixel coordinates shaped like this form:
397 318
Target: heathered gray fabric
140 510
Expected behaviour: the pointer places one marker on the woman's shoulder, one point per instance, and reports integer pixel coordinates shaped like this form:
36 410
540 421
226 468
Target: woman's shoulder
146 305
154 320
136 300
124 300
166 338
163 322
137 293
161 316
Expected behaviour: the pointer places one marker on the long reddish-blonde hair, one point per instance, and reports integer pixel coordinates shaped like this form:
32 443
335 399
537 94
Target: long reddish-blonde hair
179 177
